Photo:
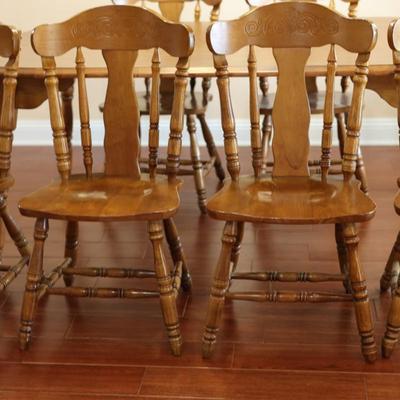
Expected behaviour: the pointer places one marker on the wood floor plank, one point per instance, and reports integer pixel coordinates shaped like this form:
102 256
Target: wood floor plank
123 352
71 378
93 349
52 325
18 395
339 358
252 384
9 351
383 387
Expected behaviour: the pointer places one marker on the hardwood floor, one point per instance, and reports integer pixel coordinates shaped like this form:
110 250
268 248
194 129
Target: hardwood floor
99 349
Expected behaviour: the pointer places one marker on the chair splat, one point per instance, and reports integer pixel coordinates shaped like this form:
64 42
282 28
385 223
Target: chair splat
121 142
290 144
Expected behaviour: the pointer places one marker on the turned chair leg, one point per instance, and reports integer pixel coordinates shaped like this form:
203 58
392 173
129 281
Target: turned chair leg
219 288
13 230
236 247
360 294
7 223
71 248
34 276
197 165
390 272
342 256
167 294
391 337
212 149
266 139
177 253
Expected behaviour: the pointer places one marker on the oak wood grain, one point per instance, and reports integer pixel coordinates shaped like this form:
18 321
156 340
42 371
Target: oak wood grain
121 192
289 194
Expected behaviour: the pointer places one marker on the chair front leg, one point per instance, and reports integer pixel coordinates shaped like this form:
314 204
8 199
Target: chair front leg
219 288
360 294
71 248
176 250
35 274
167 295
236 247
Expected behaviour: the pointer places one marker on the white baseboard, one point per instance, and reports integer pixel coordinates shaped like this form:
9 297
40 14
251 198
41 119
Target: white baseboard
375 132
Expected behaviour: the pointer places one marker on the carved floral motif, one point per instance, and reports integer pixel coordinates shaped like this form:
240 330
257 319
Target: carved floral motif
106 27
291 23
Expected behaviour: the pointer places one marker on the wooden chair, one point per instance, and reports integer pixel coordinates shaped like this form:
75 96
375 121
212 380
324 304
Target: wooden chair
316 98
9 48
391 276
289 195
121 192
195 104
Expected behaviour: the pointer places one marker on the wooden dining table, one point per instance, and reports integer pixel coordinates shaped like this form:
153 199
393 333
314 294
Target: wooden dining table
31 91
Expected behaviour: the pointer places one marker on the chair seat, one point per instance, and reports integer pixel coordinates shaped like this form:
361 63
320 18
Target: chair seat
104 198
291 200
342 102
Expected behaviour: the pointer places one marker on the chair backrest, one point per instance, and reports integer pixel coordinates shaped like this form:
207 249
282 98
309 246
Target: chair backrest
291 29
119 32
394 43
352 10
172 9
9 48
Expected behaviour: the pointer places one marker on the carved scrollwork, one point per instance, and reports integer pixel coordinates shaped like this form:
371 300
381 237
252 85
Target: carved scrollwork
103 26
294 22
